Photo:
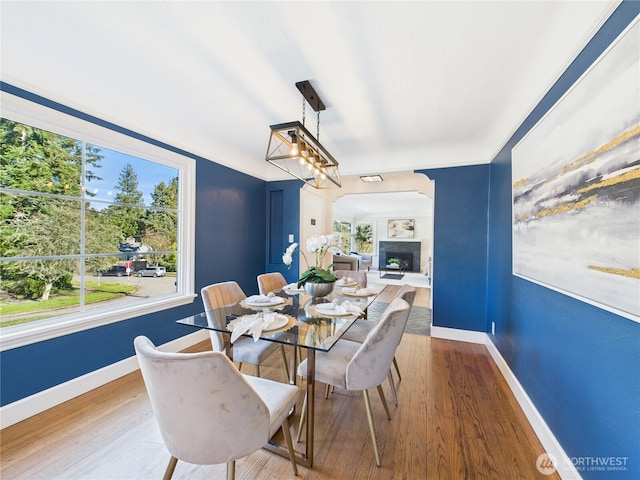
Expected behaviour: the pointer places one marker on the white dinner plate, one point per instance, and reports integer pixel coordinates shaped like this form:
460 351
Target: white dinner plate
279 322
265 303
293 290
331 312
363 292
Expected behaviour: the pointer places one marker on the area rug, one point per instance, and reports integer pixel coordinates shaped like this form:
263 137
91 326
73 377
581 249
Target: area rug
393 276
419 322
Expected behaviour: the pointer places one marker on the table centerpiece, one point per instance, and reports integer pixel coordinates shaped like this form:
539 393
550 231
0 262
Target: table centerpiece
317 280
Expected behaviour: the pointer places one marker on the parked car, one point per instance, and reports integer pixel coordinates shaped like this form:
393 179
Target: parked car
152 272
116 270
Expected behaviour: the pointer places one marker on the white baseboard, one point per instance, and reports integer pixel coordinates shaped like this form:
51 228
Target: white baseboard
552 447
458 335
41 401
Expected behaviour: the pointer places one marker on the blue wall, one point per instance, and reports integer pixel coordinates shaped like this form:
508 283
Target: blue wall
460 246
283 213
229 244
579 364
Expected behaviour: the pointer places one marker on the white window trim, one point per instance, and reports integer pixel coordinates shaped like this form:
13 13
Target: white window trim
24 111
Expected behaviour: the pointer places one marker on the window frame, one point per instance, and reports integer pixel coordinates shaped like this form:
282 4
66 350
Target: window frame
95 131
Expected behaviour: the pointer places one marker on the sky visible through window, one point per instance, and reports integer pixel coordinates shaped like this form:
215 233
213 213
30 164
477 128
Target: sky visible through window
149 175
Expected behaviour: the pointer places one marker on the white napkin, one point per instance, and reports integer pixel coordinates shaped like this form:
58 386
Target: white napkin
253 324
292 286
263 299
345 281
345 308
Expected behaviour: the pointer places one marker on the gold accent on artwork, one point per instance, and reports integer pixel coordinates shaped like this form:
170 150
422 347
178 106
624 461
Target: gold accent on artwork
630 272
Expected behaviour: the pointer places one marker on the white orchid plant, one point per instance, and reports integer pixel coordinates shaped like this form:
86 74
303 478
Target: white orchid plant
319 245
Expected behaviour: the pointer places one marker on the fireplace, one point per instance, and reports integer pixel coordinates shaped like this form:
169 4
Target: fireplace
405 260
408 253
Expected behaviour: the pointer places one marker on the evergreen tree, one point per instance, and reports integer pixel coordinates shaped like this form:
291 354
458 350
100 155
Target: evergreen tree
36 160
128 214
161 226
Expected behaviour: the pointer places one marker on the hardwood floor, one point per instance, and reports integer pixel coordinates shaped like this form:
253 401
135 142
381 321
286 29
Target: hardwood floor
456 419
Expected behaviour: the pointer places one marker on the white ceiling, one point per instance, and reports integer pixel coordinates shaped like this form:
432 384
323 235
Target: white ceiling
407 85
382 205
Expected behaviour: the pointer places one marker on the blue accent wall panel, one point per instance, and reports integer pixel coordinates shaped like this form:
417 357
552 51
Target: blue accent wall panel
460 246
579 364
283 211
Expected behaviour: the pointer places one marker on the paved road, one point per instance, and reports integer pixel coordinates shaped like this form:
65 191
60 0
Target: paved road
145 286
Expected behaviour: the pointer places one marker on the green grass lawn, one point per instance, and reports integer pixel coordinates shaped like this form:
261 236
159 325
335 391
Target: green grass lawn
62 299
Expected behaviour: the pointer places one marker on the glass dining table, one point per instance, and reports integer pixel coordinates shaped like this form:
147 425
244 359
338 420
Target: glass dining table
309 326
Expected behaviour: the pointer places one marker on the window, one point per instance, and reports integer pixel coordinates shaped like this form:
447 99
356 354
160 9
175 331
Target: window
344 229
83 210
363 238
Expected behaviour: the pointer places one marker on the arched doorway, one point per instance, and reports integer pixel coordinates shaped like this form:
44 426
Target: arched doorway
317 210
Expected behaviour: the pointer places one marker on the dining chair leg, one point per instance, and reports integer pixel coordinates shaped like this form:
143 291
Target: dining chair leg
240 366
258 371
393 387
384 401
284 359
299 358
395 364
303 414
287 438
231 470
372 429
168 473
327 391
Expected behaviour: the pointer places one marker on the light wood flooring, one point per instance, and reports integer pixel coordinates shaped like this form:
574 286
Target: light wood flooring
456 419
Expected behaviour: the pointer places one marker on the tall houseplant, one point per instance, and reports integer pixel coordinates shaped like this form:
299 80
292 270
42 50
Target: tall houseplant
319 245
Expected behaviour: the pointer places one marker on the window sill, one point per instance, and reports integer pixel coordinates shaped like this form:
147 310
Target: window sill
26 334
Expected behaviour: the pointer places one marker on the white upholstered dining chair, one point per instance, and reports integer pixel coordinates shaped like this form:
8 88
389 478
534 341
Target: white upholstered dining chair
360 277
245 350
270 282
361 328
207 411
361 366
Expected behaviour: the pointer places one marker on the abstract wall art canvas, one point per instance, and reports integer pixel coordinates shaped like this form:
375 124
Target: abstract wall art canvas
401 228
576 187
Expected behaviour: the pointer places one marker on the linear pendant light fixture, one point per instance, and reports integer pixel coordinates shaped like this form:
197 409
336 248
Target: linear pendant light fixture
294 149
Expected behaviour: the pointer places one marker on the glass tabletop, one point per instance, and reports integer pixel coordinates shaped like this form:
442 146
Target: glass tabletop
308 325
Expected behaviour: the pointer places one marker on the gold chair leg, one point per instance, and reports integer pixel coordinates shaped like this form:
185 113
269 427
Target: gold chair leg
231 470
287 439
395 364
299 358
393 388
284 359
327 390
240 366
303 414
170 468
384 401
372 428
258 371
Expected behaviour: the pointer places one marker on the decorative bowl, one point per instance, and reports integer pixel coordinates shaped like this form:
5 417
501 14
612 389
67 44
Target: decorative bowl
317 290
